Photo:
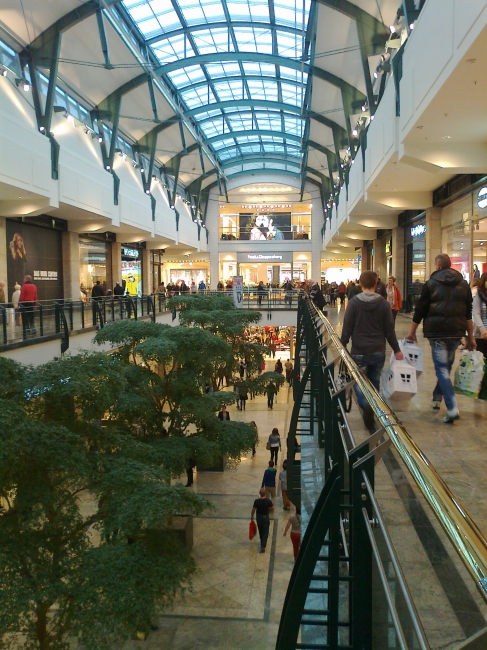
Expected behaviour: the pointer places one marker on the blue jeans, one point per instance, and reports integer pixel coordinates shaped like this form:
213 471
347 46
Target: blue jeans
371 365
443 353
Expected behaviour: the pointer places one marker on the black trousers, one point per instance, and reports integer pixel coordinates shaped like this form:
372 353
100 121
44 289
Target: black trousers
270 400
263 524
28 315
274 453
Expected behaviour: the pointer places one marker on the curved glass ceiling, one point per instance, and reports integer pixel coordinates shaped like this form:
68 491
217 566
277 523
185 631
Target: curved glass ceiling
263 99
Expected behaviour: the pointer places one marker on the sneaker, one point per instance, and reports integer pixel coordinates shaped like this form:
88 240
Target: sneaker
436 404
450 417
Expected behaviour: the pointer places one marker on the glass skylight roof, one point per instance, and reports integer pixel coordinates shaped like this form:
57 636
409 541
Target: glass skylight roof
184 30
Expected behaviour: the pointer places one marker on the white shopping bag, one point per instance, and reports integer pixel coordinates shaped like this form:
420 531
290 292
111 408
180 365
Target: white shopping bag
399 380
413 353
469 373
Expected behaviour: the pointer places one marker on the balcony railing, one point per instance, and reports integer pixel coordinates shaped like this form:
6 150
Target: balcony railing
367 578
59 317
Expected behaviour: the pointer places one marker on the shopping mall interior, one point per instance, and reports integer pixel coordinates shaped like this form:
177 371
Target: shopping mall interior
175 176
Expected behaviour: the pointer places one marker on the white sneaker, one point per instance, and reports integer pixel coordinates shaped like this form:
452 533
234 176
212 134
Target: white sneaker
436 405
451 416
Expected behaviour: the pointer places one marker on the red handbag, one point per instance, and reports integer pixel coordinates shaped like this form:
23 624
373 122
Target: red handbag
252 529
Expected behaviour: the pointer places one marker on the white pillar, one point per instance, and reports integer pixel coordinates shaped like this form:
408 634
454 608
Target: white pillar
71 272
433 238
317 220
3 254
398 258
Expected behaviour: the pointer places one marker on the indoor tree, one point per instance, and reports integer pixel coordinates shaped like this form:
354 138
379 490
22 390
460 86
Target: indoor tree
85 547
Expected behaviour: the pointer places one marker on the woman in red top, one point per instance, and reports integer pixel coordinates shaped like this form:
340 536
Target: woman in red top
393 296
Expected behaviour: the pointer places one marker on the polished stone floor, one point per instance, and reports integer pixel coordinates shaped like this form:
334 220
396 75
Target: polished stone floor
238 592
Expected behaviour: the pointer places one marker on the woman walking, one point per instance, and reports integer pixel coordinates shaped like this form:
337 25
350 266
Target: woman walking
283 478
393 296
274 444
294 522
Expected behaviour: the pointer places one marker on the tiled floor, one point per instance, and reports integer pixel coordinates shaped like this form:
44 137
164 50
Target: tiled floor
238 593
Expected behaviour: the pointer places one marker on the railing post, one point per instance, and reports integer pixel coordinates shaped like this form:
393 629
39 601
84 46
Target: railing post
41 319
112 305
4 324
360 554
82 315
71 317
57 319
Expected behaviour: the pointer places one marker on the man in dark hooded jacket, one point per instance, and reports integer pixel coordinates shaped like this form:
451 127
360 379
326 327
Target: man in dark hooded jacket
445 307
368 322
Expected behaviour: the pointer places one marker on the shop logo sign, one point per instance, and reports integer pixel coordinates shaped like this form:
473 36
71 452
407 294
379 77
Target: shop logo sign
44 275
482 198
417 231
130 252
262 258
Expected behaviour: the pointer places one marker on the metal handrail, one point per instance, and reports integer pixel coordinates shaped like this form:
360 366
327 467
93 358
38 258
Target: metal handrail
459 527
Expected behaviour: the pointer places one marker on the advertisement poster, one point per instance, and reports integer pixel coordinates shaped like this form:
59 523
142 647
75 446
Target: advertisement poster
132 277
238 290
265 227
37 252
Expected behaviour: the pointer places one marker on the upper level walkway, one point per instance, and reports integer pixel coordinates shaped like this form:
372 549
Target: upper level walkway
421 565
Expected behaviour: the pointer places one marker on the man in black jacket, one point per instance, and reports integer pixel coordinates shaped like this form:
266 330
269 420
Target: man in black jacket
317 296
445 307
368 322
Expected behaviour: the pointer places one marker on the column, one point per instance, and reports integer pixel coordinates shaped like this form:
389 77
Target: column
398 258
114 265
3 253
146 272
364 254
70 247
212 223
433 238
380 259
316 239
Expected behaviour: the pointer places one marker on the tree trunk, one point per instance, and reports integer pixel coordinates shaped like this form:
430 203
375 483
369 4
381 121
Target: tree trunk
41 626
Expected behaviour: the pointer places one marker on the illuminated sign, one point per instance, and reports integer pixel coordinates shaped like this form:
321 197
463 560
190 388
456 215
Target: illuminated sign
417 231
130 252
482 198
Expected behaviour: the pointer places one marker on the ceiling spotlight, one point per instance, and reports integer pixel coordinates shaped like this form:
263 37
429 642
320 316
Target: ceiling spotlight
142 170
411 26
147 191
355 133
172 207
393 29
3 71
100 138
108 168
42 129
447 137
134 165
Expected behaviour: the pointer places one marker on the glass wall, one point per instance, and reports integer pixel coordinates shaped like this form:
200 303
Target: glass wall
92 264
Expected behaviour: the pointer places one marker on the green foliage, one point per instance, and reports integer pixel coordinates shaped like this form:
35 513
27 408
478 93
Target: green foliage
85 546
218 314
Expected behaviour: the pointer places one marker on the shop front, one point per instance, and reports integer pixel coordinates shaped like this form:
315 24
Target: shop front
94 262
132 269
190 271
341 270
270 268
464 233
34 247
415 261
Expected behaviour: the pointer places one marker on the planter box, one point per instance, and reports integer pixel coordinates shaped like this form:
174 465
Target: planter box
182 526
218 465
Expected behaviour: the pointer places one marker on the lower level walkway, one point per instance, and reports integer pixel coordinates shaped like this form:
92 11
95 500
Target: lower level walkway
238 592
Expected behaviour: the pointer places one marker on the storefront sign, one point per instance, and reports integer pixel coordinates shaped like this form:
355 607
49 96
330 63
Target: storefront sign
238 290
419 230
482 198
269 258
130 252
45 275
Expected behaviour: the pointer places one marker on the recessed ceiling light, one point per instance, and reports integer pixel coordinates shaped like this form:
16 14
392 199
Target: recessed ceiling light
471 61
447 137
